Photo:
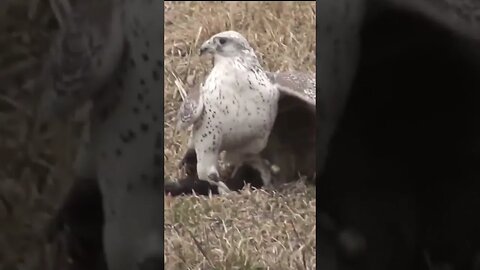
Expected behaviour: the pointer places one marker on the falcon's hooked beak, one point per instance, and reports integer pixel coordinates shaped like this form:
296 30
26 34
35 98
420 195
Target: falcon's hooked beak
207 47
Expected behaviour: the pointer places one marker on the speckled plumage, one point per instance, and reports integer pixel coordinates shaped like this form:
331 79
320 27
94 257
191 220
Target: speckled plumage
238 107
125 153
128 143
297 91
302 85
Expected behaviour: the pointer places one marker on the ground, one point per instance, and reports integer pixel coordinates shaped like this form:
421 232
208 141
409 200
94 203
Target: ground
255 229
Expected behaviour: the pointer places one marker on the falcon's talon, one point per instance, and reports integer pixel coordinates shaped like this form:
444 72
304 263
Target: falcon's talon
275 169
222 188
214 176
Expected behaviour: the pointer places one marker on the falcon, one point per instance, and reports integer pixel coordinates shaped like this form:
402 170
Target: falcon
291 149
235 109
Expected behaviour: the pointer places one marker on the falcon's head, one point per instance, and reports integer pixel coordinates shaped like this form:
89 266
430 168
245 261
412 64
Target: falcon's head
227 44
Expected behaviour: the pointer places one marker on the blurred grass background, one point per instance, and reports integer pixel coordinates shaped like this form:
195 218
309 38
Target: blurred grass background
255 229
35 168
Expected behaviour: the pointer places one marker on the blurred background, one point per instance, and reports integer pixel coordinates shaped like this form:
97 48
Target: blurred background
35 167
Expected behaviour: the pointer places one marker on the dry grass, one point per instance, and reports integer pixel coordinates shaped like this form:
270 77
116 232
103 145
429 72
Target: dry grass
254 229
34 167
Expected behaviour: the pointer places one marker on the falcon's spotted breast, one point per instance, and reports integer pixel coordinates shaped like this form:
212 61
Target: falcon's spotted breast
235 109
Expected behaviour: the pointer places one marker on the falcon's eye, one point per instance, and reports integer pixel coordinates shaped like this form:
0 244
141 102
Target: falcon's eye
222 40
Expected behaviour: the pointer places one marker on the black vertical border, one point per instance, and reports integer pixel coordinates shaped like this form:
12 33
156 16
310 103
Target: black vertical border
161 140
317 130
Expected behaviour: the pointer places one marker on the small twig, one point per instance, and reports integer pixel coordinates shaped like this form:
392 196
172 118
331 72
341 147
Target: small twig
197 243
216 235
183 94
191 52
299 239
180 86
181 255
198 36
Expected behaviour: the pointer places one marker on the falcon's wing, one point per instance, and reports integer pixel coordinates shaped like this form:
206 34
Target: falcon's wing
83 55
191 107
298 85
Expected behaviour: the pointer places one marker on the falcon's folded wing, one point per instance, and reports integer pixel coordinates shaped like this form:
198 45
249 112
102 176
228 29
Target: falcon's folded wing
191 107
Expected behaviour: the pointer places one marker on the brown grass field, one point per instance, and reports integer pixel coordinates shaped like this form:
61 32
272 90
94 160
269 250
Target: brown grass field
255 229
